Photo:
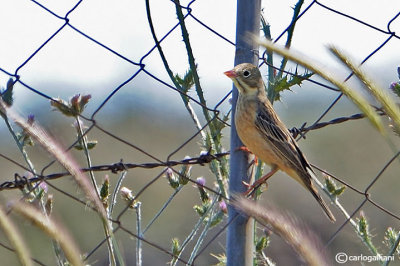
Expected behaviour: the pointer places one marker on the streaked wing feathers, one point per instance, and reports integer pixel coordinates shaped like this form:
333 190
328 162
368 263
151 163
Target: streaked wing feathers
282 142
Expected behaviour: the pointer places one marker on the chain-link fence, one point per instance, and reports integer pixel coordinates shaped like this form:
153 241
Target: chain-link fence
147 100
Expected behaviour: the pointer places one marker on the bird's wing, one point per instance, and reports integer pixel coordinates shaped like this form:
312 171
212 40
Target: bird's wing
284 145
282 141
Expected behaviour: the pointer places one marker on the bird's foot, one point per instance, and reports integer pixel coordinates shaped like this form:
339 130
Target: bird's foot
245 149
252 188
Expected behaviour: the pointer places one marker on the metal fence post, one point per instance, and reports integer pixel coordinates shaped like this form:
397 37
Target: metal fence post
240 235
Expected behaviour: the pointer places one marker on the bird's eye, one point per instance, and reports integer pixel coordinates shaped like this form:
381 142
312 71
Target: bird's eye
246 73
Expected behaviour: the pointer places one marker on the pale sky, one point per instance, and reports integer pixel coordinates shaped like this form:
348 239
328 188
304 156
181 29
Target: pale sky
79 65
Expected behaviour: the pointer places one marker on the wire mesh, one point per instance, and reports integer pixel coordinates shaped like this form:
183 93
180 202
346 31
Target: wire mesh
168 212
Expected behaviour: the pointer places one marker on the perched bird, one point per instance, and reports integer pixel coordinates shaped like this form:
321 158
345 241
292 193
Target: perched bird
265 135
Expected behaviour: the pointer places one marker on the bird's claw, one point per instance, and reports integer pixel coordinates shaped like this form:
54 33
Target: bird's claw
245 149
259 182
251 188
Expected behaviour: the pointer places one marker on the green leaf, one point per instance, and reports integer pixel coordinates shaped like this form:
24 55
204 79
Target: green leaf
90 145
395 87
363 227
332 187
216 219
390 239
62 106
186 82
24 139
176 249
262 243
221 259
74 107
201 209
287 82
218 126
363 231
184 173
172 179
105 190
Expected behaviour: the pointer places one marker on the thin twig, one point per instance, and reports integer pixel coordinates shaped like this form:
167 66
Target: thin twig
165 205
139 251
107 226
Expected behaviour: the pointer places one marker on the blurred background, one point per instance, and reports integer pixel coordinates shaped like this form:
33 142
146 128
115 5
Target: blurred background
99 52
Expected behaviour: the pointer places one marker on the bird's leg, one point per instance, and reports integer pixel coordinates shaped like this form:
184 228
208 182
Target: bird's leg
245 149
260 181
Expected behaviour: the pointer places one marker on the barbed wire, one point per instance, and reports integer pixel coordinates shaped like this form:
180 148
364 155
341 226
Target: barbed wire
20 182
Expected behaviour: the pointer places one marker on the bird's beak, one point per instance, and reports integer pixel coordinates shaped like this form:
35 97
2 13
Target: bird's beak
230 74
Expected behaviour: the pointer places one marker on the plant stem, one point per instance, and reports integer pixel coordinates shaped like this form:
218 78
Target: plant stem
115 192
214 144
106 223
20 147
165 205
296 11
203 233
139 250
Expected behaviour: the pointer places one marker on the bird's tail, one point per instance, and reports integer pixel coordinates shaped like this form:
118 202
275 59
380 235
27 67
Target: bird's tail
310 186
321 202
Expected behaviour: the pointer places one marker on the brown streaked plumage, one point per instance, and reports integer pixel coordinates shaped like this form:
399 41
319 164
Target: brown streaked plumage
264 134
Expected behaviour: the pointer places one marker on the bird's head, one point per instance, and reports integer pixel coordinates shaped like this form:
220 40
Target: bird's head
247 78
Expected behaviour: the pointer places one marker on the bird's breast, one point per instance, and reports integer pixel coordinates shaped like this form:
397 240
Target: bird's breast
250 135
